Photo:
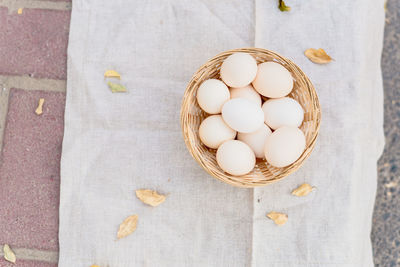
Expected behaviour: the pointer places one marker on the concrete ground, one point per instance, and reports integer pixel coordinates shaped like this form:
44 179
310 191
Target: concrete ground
386 222
33 52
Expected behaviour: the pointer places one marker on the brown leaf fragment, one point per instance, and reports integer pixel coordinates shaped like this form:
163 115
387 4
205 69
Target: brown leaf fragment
318 56
283 7
302 190
150 197
128 226
9 254
277 217
112 74
39 109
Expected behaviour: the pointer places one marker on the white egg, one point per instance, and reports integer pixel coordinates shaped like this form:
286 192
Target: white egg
284 146
273 80
256 140
238 70
235 157
283 111
213 131
211 96
243 115
247 92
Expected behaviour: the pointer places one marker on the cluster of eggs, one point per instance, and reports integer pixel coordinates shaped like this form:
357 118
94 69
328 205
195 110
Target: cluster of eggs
243 127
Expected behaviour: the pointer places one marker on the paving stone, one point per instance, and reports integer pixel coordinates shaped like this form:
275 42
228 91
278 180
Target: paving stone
29 170
34 43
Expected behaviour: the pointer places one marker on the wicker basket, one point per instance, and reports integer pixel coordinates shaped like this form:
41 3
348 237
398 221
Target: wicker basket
263 173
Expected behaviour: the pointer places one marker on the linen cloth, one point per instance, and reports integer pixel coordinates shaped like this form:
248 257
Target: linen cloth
117 143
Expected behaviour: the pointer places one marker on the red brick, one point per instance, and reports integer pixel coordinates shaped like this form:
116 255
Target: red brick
32 143
24 263
29 170
34 43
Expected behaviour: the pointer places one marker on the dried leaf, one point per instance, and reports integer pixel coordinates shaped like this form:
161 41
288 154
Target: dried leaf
39 109
278 218
116 87
283 7
112 74
95 266
128 226
150 197
302 190
318 56
9 254
19 11
385 6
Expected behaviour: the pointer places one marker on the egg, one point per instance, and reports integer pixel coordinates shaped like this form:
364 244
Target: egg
283 111
273 80
247 92
284 146
256 140
238 70
211 96
243 115
213 131
235 157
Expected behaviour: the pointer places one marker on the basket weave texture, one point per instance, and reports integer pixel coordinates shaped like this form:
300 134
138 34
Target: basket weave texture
263 173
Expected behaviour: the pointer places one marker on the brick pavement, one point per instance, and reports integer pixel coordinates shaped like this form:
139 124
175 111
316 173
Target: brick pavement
33 54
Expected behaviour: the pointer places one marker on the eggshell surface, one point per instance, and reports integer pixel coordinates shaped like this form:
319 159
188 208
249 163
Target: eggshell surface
235 157
211 96
256 140
273 80
238 70
243 115
214 131
284 146
246 92
281 112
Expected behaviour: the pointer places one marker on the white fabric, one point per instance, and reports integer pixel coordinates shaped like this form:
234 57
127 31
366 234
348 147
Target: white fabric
117 143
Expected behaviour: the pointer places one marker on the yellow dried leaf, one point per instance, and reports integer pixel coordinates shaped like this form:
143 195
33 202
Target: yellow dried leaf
9 254
95 266
112 74
302 190
150 197
116 87
128 226
278 218
39 109
283 7
318 56
19 11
